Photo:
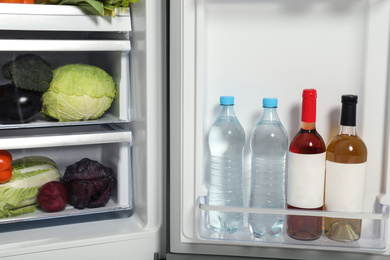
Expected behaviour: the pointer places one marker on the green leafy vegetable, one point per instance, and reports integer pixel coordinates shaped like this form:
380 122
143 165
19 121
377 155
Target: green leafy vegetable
29 71
95 7
19 195
78 92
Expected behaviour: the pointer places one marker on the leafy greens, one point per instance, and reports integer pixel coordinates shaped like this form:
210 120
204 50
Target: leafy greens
19 195
95 7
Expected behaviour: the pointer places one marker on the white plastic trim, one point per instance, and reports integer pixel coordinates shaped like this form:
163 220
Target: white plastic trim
64 45
42 9
64 140
32 17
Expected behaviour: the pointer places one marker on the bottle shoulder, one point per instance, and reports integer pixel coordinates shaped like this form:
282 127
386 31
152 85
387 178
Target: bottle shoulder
228 122
346 149
268 128
308 136
307 141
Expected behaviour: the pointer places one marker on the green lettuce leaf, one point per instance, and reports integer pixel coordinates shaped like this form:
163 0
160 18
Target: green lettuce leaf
18 196
94 7
18 211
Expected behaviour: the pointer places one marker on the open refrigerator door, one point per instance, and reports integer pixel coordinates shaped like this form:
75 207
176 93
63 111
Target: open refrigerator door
255 49
128 138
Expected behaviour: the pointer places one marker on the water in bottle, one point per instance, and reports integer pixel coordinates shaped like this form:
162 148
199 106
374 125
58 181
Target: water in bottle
269 145
226 143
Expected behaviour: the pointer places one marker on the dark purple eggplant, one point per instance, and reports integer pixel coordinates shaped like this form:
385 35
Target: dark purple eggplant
18 105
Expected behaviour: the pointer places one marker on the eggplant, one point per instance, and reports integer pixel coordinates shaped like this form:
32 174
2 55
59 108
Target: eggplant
18 105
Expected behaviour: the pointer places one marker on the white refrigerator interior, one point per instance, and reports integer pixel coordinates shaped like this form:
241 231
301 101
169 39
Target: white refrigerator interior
257 48
129 137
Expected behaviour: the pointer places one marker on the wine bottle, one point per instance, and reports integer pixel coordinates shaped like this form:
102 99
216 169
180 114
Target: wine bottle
346 159
306 173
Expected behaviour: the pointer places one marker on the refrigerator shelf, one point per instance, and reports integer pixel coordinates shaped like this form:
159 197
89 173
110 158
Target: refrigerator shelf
68 212
372 239
65 45
65 136
62 18
42 122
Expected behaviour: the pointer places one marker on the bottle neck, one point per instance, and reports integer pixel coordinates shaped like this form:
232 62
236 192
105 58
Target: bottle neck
308 126
309 107
348 114
269 114
348 119
347 130
227 110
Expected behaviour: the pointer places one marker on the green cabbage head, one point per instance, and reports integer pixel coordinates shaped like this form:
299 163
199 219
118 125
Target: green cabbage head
78 92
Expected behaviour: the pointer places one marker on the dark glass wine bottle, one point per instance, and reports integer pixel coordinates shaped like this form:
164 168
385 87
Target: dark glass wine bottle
306 173
346 157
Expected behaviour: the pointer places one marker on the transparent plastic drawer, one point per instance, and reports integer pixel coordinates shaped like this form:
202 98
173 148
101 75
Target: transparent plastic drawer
110 55
108 145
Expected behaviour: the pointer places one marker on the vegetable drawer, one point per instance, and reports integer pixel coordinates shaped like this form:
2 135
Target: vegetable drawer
109 146
101 95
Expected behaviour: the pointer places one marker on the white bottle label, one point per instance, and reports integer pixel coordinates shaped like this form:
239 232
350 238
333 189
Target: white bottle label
344 187
306 174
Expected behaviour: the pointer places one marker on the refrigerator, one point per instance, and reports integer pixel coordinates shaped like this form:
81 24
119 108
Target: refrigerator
171 60
130 137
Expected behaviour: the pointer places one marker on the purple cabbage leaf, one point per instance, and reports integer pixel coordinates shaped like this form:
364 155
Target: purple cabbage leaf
89 183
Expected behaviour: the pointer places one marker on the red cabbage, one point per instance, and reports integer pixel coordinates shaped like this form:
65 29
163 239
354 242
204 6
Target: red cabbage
89 183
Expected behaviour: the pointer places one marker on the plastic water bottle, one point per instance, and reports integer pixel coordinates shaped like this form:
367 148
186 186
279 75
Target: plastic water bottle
226 143
269 146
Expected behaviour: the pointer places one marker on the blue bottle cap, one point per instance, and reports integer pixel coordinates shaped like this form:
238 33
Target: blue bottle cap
226 100
270 102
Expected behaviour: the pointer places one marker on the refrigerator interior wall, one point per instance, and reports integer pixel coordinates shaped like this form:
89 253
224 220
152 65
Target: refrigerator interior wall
254 49
127 138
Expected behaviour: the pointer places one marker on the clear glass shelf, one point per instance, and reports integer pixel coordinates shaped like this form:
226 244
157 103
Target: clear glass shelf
373 236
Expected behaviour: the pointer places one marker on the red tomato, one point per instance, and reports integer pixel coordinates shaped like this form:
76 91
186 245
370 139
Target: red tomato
6 175
5 160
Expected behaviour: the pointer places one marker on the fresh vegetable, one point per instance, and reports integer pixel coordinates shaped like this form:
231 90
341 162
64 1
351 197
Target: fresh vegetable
5 166
18 105
53 196
78 92
5 160
97 7
29 71
19 195
89 183
6 175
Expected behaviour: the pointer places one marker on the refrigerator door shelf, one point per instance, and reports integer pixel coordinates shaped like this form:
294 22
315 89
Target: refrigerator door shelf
27 17
109 146
371 240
